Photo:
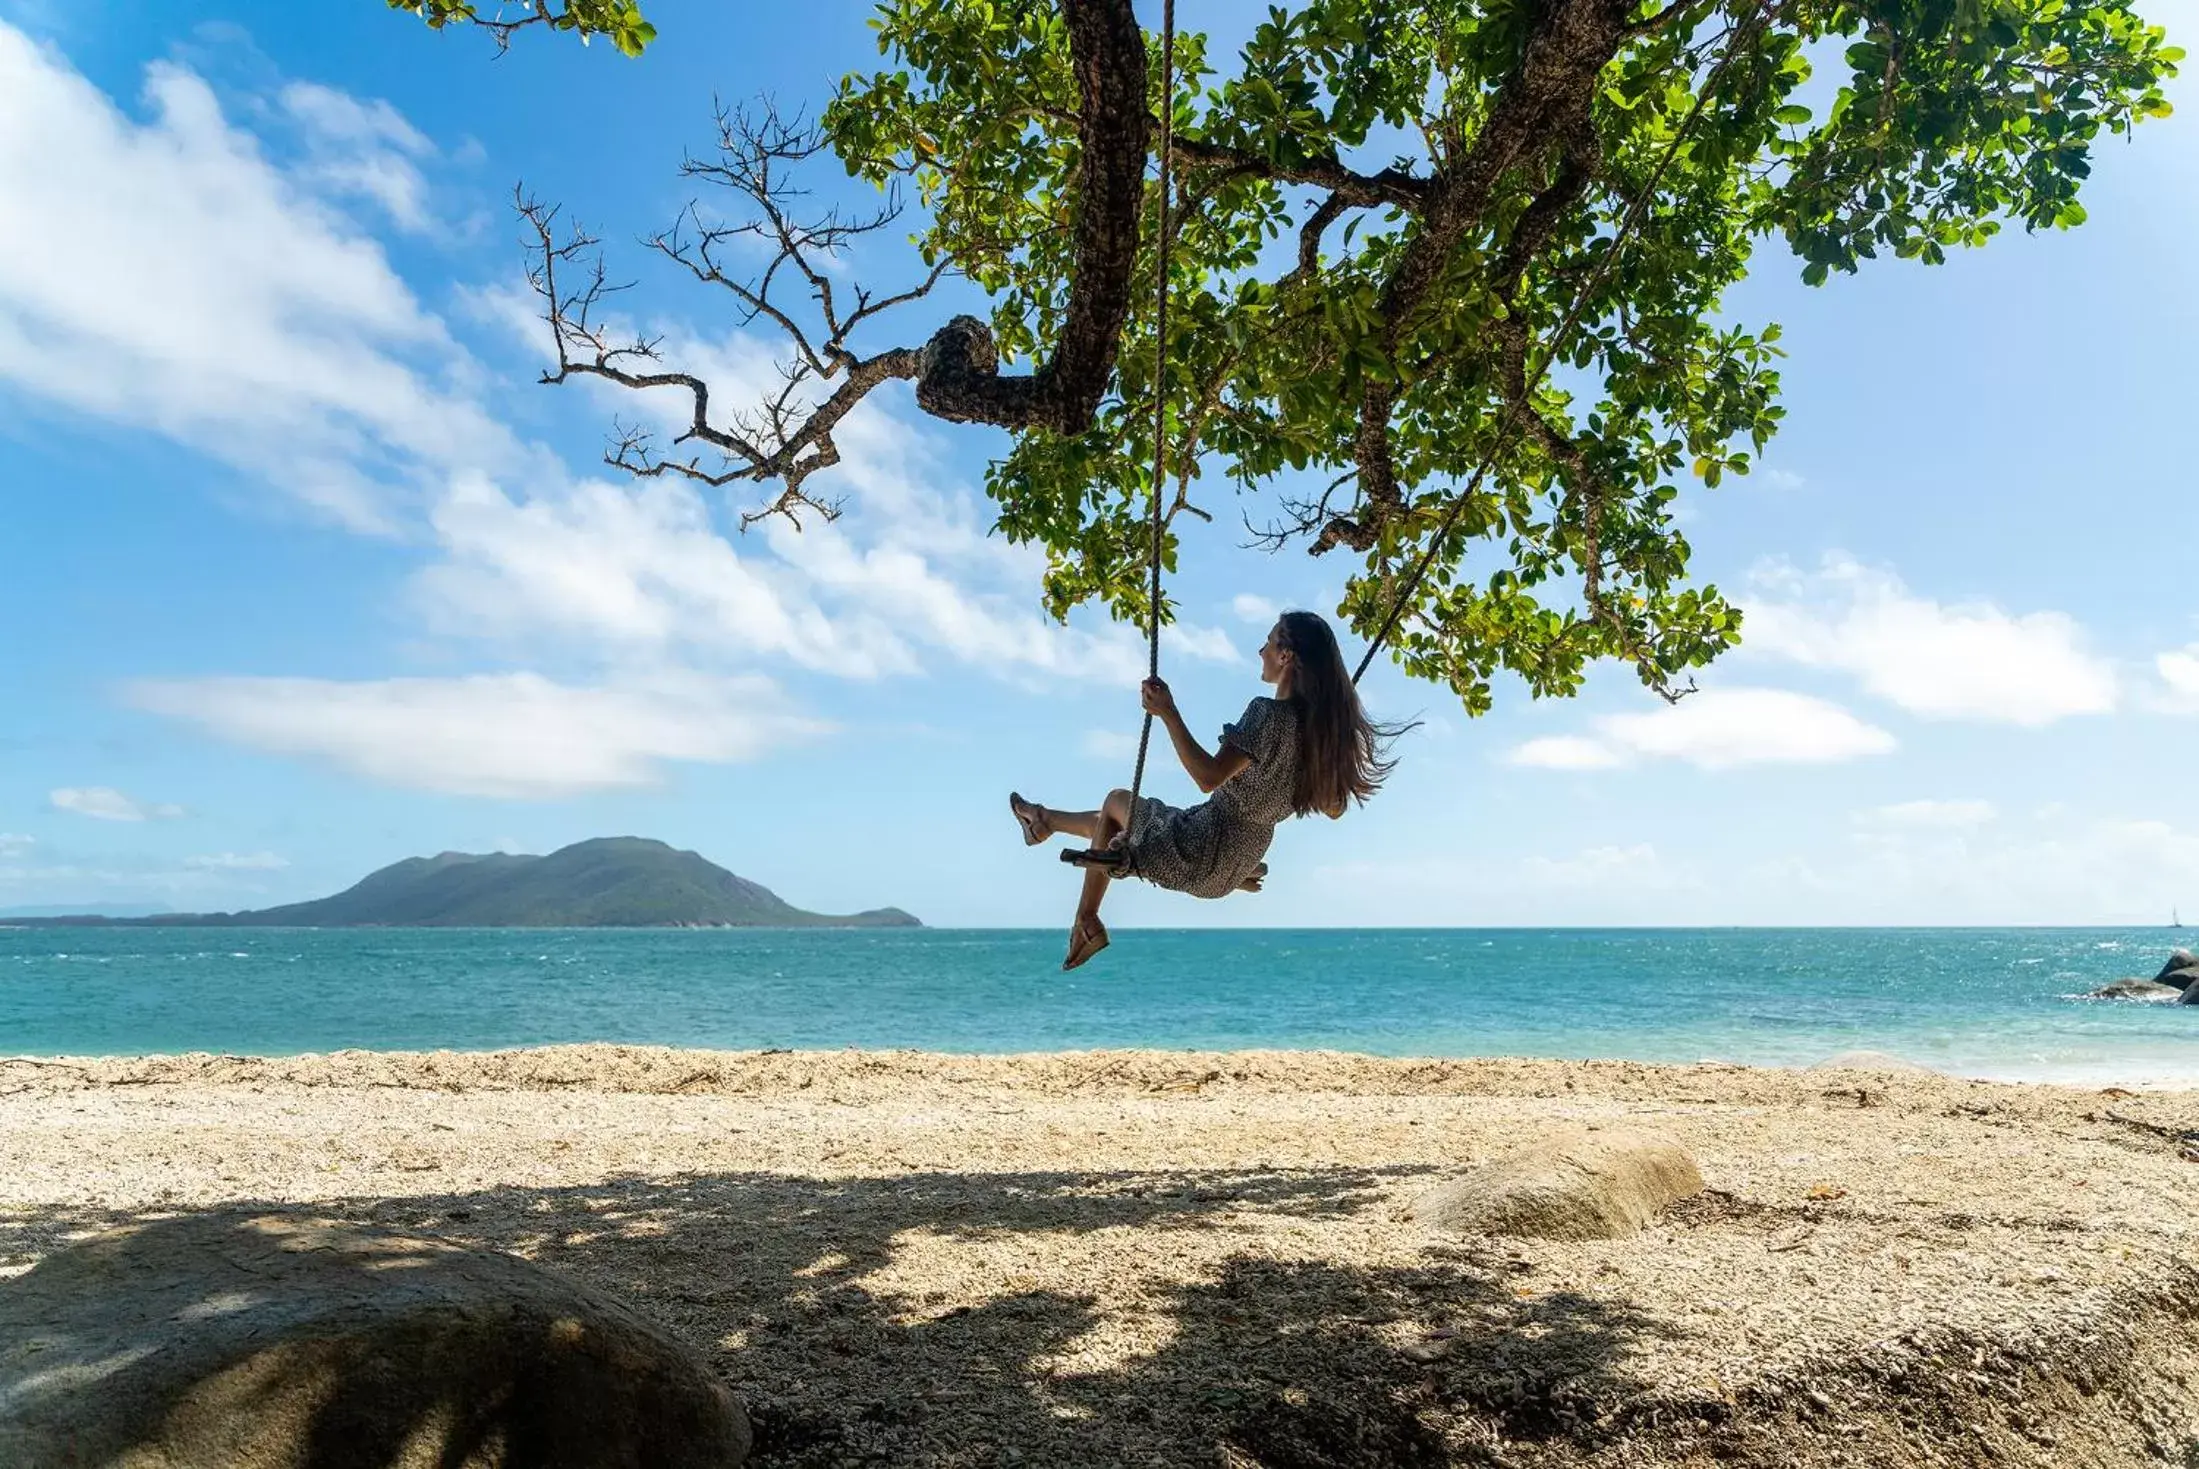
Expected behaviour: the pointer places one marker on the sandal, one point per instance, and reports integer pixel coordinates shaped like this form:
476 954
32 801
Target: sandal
1031 818
1085 940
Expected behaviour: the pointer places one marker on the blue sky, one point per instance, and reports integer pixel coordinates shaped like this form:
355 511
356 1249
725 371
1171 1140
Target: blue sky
302 572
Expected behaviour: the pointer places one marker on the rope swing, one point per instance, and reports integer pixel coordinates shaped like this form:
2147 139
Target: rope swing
1507 426
1161 255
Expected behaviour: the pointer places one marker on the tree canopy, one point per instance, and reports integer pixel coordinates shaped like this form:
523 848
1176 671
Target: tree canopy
620 20
1384 213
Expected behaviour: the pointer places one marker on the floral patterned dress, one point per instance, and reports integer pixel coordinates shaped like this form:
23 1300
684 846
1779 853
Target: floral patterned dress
1210 849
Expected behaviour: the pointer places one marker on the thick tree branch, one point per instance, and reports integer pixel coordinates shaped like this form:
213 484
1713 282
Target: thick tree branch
1390 186
1547 95
1651 24
1332 209
956 372
961 381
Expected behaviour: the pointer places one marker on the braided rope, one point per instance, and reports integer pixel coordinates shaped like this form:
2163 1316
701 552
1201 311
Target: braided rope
1160 398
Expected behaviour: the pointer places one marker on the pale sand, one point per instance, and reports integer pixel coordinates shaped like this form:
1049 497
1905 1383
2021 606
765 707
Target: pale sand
1167 1258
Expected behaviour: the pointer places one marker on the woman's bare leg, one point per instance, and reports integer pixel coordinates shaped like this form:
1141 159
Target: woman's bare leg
1075 823
1112 819
1087 936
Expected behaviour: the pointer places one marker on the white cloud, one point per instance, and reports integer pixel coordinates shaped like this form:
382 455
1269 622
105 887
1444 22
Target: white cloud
1207 644
171 273
1109 744
238 862
1929 815
15 844
1568 752
2179 671
361 148
1783 479
1252 608
104 803
514 736
1942 661
2060 867
1631 865
167 276
1713 730
644 567
631 567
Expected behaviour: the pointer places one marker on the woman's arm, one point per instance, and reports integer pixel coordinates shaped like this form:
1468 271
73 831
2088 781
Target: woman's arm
1209 772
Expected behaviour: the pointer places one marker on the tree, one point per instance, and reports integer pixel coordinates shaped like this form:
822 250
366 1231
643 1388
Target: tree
621 20
1386 216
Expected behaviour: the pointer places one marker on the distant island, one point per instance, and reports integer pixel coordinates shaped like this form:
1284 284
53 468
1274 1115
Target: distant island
610 882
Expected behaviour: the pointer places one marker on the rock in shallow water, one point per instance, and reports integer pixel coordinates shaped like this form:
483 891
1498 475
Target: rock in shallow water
240 1341
2182 969
2138 989
1576 1184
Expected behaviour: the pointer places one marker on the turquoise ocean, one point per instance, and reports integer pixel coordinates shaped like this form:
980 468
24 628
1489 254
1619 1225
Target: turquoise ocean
2003 1003
1978 1002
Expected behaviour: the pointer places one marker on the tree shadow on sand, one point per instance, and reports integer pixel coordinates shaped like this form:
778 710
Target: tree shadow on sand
1285 1363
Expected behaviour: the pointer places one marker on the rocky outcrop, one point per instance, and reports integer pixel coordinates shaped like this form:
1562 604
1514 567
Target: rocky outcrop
2138 989
231 1340
2181 970
1577 1184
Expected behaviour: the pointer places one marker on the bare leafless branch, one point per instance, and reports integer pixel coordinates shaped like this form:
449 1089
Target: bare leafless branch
788 438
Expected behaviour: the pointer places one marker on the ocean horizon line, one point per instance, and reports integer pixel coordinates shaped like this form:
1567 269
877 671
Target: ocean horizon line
151 921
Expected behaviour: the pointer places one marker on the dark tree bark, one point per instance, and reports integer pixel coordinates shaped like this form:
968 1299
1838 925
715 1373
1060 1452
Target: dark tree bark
960 379
1546 98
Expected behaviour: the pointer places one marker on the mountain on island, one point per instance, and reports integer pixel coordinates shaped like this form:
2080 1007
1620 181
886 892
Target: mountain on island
610 882
61 910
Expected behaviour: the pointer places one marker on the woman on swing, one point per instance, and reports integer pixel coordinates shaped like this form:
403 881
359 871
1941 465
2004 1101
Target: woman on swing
1310 748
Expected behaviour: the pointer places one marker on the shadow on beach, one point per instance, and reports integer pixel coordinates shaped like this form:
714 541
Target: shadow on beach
1282 1363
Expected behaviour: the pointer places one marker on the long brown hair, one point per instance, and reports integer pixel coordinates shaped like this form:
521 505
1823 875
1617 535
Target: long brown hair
1341 752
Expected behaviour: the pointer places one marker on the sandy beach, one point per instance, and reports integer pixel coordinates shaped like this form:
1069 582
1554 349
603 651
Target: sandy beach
1150 1258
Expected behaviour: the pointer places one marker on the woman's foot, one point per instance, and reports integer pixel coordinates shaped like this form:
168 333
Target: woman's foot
1032 818
1086 939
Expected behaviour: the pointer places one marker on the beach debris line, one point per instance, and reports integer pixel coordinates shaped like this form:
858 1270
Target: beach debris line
1576 1184
252 1338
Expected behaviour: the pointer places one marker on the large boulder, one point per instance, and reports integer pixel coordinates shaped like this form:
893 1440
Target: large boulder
241 1341
2137 989
2191 994
1577 1184
2181 970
